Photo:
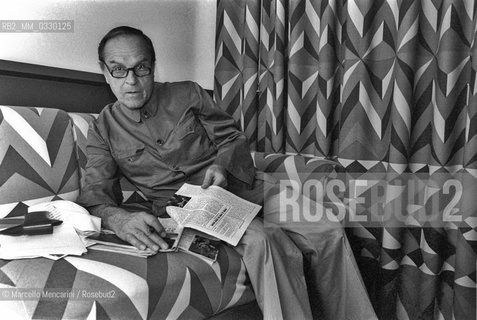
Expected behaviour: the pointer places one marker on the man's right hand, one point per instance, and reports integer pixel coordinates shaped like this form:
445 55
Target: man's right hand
140 229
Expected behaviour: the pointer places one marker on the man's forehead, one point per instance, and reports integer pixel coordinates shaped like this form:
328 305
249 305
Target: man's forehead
127 47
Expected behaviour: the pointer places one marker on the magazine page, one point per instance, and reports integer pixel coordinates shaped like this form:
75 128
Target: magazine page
214 211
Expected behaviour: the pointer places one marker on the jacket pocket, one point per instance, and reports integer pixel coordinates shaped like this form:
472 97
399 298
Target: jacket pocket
188 127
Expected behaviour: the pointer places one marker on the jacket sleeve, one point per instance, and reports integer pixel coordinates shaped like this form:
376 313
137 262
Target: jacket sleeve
233 151
101 178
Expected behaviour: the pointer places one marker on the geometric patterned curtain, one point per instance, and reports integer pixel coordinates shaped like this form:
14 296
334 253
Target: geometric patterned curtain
385 87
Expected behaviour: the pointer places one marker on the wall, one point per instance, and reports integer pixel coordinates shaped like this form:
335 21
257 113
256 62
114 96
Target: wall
183 32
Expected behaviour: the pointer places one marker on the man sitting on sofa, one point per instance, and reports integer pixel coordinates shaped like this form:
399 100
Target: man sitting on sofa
160 135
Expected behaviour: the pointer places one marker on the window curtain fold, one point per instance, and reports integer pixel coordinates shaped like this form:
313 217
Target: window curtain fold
388 88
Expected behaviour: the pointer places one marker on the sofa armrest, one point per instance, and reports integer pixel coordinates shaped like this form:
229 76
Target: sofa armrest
294 163
306 174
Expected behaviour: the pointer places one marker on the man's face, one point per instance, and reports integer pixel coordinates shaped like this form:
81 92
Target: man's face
128 52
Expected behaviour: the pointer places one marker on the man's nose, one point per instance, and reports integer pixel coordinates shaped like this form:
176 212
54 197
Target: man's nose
131 77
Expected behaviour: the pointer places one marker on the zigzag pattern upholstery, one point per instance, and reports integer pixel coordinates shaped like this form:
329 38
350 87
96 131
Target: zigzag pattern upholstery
37 158
38 162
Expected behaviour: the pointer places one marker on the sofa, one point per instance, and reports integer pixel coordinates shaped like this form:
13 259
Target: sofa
42 158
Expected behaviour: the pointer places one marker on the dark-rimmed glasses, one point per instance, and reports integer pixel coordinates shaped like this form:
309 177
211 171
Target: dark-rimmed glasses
141 70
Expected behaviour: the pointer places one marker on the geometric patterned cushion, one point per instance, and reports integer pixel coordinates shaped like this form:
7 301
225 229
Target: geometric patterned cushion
37 158
80 129
80 122
106 285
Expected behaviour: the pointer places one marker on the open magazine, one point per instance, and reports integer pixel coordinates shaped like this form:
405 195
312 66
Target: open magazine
213 211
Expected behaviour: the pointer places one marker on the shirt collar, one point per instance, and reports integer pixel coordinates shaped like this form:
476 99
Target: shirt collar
149 108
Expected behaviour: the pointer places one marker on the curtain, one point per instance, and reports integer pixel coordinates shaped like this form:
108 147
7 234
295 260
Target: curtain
388 88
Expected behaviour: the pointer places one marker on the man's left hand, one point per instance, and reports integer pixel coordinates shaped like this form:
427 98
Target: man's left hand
215 175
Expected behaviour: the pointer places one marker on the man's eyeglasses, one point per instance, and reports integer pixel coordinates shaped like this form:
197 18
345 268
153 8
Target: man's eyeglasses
140 70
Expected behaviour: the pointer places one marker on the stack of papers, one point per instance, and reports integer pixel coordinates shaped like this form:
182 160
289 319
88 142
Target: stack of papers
63 241
69 238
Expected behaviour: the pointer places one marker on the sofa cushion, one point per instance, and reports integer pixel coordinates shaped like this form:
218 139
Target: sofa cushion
80 122
107 285
37 158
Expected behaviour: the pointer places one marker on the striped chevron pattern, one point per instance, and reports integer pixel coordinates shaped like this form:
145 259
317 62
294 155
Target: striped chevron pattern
80 122
37 158
165 286
385 87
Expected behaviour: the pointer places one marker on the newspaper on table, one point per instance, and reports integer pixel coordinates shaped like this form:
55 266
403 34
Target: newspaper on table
214 211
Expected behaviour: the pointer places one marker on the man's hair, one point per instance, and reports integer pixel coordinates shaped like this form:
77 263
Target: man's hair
125 31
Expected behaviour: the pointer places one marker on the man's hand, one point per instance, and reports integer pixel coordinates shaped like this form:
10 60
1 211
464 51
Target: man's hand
140 229
215 175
